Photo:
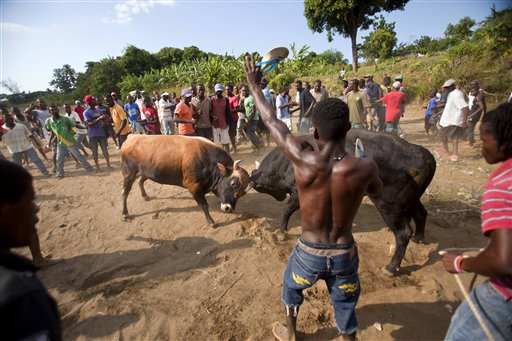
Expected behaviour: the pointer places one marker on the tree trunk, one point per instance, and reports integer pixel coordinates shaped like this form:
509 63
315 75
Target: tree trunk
353 38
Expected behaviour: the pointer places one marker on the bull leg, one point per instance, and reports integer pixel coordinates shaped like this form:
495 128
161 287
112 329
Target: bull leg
129 175
291 206
419 215
201 201
402 236
142 190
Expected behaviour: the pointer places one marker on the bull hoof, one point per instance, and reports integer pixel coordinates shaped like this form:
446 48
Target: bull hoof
387 272
281 235
213 225
146 198
418 239
126 217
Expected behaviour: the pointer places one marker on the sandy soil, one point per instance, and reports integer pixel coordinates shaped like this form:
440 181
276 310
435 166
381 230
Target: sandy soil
165 275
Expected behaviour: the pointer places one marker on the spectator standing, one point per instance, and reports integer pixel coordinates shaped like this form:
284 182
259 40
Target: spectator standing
492 299
234 107
252 117
283 105
306 102
166 113
94 119
202 105
151 122
107 121
21 118
121 126
221 117
395 102
374 93
16 138
476 109
430 111
39 113
358 104
318 92
117 99
184 114
79 109
133 110
453 120
28 311
62 130
81 134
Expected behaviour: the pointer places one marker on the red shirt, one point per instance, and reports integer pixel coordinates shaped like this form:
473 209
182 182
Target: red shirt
234 101
151 115
219 112
497 214
80 111
394 101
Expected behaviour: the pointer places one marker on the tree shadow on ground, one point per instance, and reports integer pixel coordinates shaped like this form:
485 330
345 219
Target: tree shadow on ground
96 326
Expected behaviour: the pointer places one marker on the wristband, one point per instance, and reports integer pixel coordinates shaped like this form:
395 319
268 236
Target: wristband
457 264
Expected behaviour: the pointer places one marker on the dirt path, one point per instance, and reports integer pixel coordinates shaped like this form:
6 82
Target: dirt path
165 275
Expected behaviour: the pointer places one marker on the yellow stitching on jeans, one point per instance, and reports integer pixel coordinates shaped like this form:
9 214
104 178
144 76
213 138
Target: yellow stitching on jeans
299 280
350 287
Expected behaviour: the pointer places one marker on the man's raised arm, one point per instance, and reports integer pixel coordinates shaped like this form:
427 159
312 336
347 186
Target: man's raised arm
285 141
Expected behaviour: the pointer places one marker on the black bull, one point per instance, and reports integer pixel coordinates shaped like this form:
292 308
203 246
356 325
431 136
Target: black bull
405 169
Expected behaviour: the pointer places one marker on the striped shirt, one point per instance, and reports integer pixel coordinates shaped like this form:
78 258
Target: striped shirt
63 129
497 214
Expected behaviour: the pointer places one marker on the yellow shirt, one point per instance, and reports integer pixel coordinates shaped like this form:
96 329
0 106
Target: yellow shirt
118 115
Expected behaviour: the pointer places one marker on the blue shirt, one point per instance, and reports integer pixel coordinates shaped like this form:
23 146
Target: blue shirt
96 130
431 105
132 110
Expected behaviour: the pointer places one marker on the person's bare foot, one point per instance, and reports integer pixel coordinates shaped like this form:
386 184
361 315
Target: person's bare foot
282 333
443 152
454 158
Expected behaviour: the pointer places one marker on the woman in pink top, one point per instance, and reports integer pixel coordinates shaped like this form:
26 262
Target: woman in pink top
493 298
395 102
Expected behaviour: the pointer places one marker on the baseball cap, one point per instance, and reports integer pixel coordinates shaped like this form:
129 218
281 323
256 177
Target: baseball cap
399 78
396 85
165 94
449 82
218 87
186 92
369 75
77 102
87 99
113 93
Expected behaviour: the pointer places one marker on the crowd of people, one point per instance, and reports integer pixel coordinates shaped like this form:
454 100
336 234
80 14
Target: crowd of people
326 248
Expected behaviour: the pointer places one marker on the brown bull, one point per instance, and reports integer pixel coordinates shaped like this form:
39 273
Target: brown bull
193 163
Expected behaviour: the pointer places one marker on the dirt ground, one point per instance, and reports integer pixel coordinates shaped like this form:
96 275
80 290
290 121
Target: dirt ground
166 275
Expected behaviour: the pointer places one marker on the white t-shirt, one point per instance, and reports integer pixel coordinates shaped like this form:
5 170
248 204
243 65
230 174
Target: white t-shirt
17 138
453 115
42 116
164 108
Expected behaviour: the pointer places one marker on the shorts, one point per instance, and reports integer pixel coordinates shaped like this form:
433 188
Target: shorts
451 132
221 136
337 265
287 121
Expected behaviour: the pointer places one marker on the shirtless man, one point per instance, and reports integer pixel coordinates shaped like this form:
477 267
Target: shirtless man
331 186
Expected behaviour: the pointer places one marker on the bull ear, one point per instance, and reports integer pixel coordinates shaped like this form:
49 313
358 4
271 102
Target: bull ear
236 163
222 169
257 164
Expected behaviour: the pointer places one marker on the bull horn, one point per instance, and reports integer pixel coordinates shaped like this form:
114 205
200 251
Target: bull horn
235 164
257 164
248 187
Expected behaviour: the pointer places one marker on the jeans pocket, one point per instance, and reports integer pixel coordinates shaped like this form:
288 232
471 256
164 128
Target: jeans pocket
347 285
302 275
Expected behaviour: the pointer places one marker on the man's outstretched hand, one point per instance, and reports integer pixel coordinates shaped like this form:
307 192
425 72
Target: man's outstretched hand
252 72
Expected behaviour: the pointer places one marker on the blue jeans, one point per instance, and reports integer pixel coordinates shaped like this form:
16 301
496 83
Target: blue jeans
340 274
392 128
32 155
61 154
305 125
102 141
495 311
137 127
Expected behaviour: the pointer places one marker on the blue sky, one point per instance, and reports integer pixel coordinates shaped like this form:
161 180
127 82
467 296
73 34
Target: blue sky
38 36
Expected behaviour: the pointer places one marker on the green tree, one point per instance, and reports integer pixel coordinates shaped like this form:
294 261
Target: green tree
333 56
136 61
381 41
193 53
459 32
64 79
168 56
346 17
100 77
496 32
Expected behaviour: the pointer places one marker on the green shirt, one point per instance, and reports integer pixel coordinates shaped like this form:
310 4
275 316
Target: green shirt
248 103
356 102
63 129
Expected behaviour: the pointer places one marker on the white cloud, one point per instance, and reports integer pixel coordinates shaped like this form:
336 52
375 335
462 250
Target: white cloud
125 11
12 27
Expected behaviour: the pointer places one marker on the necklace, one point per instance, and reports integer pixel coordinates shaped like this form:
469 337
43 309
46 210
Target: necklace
339 158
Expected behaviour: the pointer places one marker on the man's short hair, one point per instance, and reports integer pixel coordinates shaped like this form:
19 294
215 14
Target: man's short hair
298 82
14 182
500 122
331 119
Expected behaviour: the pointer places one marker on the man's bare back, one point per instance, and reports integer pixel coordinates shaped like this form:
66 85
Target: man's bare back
331 186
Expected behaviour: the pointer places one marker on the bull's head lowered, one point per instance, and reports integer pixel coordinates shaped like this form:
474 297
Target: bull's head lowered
234 183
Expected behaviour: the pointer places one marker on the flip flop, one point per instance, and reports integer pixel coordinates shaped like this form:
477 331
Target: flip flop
272 58
454 158
280 331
